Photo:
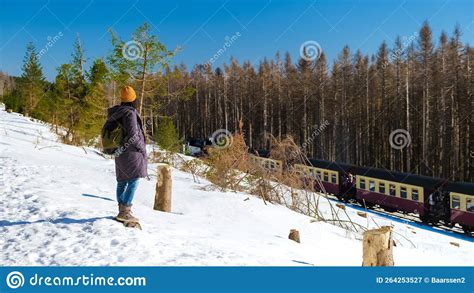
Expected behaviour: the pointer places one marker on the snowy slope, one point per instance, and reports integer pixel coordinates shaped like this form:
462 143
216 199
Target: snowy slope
57 202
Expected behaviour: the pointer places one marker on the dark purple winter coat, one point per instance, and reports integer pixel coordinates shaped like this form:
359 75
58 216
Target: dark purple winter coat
131 159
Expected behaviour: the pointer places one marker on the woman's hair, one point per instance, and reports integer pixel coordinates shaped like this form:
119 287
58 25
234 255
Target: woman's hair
133 104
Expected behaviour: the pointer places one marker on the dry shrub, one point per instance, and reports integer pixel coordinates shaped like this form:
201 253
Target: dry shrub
260 186
287 151
230 168
196 167
166 157
294 191
280 185
228 164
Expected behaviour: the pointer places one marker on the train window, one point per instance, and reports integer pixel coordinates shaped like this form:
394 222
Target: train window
311 171
371 185
303 171
334 178
298 171
392 190
326 176
362 184
381 187
414 194
455 202
403 192
318 174
469 205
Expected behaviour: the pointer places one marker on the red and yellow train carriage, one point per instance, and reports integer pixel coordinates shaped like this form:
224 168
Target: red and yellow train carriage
432 199
461 203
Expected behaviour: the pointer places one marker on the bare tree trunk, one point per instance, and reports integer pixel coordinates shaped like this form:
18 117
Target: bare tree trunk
142 90
265 137
407 99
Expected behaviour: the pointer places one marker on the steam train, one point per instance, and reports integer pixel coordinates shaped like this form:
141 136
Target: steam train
435 201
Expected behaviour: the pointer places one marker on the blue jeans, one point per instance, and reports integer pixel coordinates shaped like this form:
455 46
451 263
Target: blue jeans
126 191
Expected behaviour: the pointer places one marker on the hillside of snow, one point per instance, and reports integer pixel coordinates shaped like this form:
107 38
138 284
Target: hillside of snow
57 204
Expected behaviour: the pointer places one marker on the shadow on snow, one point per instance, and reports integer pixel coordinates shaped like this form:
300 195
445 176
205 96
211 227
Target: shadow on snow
96 196
54 221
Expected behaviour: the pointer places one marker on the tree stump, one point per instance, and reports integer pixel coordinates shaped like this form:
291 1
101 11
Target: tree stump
163 194
294 235
378 247
341 206
362 214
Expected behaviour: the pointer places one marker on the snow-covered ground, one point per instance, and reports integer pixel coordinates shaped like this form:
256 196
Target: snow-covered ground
57 203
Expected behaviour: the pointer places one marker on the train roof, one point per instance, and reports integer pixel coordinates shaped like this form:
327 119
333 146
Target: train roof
383 174
412 179
461 187
335 166
260 153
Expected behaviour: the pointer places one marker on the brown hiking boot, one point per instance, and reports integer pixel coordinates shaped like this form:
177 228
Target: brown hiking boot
121 213
125 214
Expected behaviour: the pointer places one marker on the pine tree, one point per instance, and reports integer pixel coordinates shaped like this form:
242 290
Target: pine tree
94 108
78 80
153 54
119 67
167 136
32 81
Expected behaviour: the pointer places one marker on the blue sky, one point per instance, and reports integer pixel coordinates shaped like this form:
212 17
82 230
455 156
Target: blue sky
201 27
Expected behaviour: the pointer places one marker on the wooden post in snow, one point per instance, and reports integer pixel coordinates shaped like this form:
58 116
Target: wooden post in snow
378 247
294 235
164 184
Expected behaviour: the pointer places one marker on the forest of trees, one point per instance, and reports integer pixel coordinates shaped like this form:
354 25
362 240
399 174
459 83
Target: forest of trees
348 109
341 111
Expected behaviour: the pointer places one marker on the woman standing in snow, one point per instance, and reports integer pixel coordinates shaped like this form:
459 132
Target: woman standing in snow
131 158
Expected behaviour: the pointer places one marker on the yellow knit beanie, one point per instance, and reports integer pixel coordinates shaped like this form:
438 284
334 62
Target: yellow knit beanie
127 94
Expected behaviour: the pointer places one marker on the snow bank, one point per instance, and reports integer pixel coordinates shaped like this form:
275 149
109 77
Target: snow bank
58 202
